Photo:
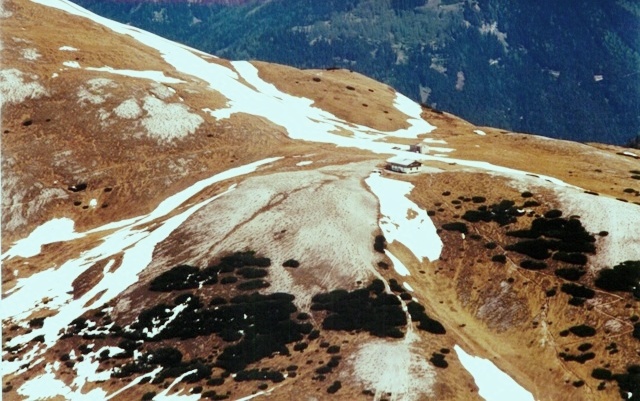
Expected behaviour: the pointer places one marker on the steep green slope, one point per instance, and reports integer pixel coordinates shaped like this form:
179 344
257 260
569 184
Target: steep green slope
541 67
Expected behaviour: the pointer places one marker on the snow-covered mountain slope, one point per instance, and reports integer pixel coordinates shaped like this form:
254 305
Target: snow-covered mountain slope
178 226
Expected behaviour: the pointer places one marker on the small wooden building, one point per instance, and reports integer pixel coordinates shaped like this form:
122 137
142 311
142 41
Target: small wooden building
403 165
419 148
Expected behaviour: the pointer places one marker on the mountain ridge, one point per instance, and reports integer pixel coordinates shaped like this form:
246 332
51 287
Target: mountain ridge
211 170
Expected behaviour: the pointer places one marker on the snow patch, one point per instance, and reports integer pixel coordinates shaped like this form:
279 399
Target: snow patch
394 367
157 76
407 286
162 92
480 132
398 266
68 49
94 91
31 246
71 64
418 233
168 121
14 88
304 163
47 386
128 109
30 54
493 384
4 13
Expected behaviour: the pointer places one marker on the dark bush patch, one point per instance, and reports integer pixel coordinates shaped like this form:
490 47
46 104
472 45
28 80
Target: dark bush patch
395 286
368 309
536 249
524 234
217 301
333 388
313 335
148 396
380 243
405 296
573 258
181 277
438 360
303 316
37 322
491 245
553 214
583 330
623 277
531 203
532 265
570 273
291 263
79 187
251 272
300 346
585 347
474 216
601 374
526 194
576 301
457 226
552 292
581 358
216 381
427 324
478 199
578 383
499 258
334 349
636 331
229 280
576 290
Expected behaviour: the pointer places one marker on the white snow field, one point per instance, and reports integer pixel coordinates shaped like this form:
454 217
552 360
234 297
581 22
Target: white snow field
493 384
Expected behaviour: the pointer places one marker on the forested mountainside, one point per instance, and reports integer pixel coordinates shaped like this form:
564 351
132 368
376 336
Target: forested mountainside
553 68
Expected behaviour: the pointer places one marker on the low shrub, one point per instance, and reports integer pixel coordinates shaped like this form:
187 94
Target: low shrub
533 265
577 290
573 258
456 226
570 273
601 374
553 214
291 263
334 387
380 243
438 360
583 330
499 258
